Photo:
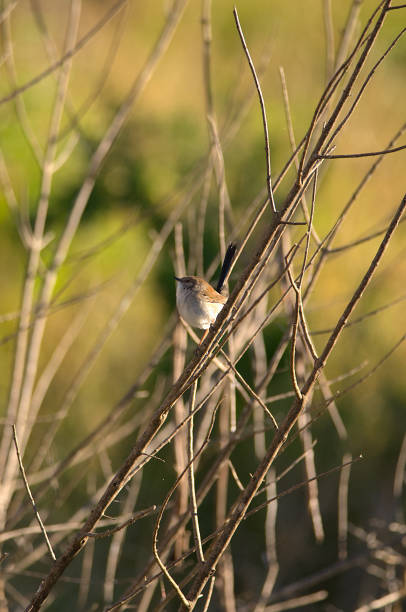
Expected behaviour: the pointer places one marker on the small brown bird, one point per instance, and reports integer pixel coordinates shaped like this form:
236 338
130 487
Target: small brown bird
197 301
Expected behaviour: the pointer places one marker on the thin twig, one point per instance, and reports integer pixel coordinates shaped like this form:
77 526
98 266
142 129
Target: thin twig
348 31
295 324
249 389
367 154
297 286
209 594
263 111
109 532
271 548
27 488
292 140
329 38
191 476
179 410
343 507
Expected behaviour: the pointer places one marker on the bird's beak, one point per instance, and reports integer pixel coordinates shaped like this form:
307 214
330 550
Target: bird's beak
176 278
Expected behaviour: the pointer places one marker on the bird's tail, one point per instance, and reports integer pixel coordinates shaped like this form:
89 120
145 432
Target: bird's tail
225 268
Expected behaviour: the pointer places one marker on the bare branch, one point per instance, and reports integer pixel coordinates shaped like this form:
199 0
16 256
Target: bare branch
27 488
191 474
263 111
368 154
109 532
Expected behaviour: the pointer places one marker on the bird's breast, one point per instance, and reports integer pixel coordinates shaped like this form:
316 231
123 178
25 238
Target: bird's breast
196 312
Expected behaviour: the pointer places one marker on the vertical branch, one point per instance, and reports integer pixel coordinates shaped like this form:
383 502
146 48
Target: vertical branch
329 37
209 594
343 506
118 540
89 556
208 94
348 31
191 476
207 40
304 417
179 358
198 243
157 555
294 149
224 198
299 368
217 159
297 287
11 200
311 475
263 111
225 572
260 369
232 388
270 538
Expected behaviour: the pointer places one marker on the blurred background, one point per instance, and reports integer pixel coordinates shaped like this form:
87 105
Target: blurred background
114 295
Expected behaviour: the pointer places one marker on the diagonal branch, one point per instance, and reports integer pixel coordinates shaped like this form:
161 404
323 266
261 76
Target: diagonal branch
27 487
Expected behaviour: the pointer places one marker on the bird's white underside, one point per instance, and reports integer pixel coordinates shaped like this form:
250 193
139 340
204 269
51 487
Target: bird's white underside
196 313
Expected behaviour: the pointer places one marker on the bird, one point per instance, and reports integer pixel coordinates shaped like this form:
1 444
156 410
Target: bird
197 301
